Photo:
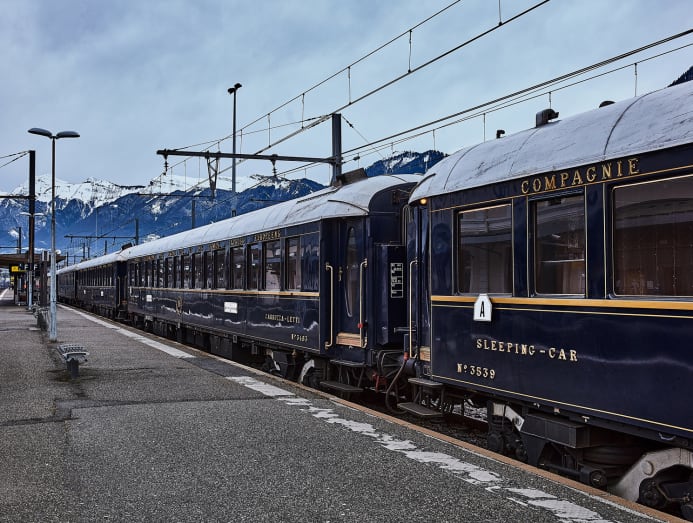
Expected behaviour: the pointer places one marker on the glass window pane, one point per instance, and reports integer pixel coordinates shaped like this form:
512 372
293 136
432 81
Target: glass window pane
310 263
237 267
653 238
168 274
254 264
485 263
178 282
198 271
559 245
220 269
293 267
272 251
186 271
351 286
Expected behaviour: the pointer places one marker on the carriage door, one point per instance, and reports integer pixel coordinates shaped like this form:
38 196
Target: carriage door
350 298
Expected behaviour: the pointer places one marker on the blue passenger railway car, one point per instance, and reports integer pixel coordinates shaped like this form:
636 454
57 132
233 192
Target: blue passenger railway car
95 285
311 288
552 281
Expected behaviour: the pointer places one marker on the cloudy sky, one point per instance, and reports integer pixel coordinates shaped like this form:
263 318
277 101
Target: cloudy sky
134 76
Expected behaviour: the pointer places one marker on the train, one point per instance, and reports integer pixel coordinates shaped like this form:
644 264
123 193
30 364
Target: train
546 276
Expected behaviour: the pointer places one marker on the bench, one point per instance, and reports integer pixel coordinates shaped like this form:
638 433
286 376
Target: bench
73 355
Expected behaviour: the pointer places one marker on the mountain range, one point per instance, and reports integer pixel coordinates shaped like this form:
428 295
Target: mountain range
98 216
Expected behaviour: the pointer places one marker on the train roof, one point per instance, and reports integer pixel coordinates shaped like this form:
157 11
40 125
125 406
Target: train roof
349 200
93 262
657 120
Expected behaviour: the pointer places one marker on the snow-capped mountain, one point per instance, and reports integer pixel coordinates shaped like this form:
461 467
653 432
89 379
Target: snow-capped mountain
96 215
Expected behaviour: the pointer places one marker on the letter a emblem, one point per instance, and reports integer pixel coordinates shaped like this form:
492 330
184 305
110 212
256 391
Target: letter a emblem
482 308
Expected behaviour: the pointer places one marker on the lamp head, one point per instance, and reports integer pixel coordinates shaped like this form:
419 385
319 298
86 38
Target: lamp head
41 132
67 134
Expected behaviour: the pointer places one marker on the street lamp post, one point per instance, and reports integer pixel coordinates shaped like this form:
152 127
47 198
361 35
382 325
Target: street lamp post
52 326
233 90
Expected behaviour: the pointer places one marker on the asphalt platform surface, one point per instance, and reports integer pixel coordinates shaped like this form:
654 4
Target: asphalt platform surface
154 431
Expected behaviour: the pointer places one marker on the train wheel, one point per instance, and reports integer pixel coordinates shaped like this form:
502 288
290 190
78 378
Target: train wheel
310 375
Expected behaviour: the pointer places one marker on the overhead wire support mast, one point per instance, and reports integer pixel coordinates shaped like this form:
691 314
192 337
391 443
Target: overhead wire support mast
270 157
335 160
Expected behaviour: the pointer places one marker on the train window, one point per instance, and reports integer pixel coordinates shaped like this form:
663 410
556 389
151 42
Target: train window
254 266
198 271
293 267
484 250
132 272
272 254
186 271
219 270
352 272
177 281
559 245
168 273
209 270
237 267
160 273
652 231
310 263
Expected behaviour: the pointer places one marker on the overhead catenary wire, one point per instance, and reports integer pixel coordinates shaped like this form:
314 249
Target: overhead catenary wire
348 68
418 68
17 156
516 97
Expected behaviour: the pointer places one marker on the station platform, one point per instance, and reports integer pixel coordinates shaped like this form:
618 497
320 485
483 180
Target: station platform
155 431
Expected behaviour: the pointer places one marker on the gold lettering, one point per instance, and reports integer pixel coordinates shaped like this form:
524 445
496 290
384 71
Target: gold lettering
524 349
573 355
501 346
564 178
591 174
577 178
530 350
550 182
493 345
633 166
552 353
478 343
459 367
619 164
606 171
525 187
536 185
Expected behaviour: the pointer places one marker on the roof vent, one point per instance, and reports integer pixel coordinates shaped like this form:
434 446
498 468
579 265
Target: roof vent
605 103
350 177
544 116
499 133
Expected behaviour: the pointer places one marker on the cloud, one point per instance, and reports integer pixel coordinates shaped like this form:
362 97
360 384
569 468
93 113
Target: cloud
133 77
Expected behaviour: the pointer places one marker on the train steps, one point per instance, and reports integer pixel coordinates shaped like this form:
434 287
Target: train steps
423 391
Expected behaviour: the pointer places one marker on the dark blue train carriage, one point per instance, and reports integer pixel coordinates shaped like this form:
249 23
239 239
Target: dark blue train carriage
297 285
553 281
96 285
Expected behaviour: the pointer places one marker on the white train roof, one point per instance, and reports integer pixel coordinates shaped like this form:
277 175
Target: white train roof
350 200
657 120
94 262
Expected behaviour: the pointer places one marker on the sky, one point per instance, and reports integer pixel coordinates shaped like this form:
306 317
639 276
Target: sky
133 77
